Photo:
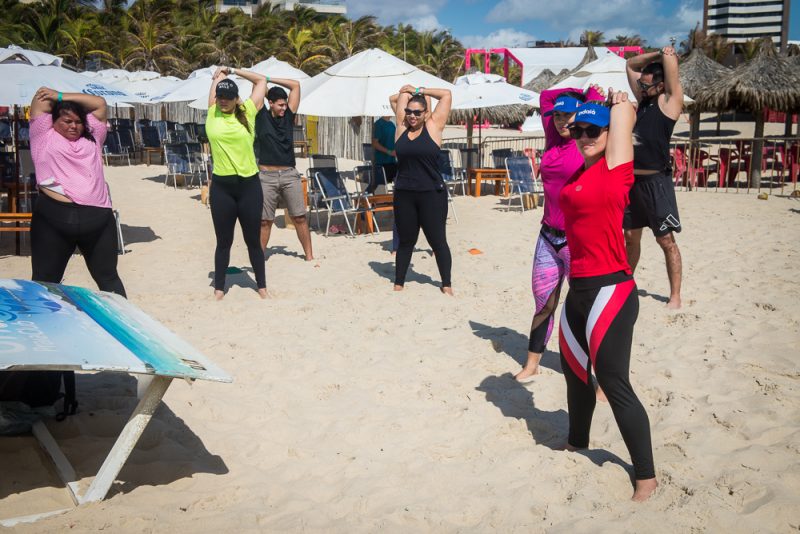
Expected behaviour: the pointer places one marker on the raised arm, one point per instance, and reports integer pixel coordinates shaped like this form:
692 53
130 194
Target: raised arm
442 111
634 66
219 75
619 149
399 103
294 91
673 92
45 98
259 82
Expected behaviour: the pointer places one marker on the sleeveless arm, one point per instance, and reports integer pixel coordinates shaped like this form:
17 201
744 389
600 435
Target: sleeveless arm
619 149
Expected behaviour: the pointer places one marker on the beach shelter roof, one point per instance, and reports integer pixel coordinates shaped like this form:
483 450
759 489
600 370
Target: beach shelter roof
698 70
542 81
361 85
499 100
535 60
588 58
145 84
766 81
196 87
22 72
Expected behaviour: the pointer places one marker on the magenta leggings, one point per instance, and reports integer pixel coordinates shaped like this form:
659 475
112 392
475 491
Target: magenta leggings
550 266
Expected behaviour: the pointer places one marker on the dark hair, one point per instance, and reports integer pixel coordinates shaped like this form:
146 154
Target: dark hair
276 93
77 109
241 116
419 99
580 97
656 69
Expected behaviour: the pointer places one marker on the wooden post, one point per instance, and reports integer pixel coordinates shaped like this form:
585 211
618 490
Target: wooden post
758 144
127 440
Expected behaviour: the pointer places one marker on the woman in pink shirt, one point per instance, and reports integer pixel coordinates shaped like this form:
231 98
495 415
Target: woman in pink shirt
67 132
560 161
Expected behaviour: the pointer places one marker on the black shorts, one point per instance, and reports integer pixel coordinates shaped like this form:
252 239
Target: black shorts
653 204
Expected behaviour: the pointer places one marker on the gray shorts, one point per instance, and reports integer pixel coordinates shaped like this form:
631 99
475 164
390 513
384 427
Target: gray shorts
285 185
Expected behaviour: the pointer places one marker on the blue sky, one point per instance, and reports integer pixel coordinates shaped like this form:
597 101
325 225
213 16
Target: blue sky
488 23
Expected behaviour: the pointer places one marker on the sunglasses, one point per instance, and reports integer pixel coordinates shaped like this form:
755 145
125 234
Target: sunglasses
645 86
592 131
415 112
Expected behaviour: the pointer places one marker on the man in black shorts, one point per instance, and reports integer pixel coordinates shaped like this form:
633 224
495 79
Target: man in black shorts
654 78
276 164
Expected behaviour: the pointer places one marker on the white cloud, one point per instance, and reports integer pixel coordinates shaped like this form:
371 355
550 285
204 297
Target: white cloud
425 23
506 37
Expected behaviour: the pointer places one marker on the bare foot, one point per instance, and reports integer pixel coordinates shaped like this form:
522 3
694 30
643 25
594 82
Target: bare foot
218 295
309 258
570 448
263 293
398 288
447 291
526 375
601 396
644 489
674 303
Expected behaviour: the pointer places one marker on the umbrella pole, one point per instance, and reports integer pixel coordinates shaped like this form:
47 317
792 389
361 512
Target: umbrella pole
480 139
16 147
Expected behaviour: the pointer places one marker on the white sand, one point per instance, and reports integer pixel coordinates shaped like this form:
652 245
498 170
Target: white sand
355 409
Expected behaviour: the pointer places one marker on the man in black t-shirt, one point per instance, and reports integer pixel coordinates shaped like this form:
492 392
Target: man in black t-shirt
274 147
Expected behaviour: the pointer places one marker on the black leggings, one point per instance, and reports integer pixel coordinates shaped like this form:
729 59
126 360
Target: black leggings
58 227
235 197
427 210
609 304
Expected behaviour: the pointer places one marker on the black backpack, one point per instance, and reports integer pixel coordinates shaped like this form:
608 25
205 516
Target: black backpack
40 388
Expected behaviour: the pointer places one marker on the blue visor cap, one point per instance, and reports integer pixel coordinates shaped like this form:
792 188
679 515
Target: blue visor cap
594 114
565 104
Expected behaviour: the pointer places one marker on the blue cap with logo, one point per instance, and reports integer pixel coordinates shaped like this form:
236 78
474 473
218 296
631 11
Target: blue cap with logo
594 113
565 104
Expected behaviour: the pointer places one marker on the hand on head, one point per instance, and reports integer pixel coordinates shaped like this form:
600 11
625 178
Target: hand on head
668 51
43 94
407 88
221 73
599 89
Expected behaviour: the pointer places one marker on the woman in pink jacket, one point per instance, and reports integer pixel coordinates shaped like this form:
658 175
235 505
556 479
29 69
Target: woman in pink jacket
560 161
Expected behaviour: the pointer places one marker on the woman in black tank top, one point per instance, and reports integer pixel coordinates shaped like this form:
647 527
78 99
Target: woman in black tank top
420 197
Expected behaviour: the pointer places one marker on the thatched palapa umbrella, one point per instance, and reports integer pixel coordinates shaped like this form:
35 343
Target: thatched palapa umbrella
588 57
767 81
697 72
542 81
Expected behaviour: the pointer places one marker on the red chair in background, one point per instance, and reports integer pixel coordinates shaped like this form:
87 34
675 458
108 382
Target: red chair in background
694 172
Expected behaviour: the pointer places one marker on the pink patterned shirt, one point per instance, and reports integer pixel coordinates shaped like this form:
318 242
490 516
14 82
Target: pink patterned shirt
75 166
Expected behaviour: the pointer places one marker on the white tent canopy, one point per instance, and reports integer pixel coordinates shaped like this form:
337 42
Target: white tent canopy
606 71
275 68
535 60
481 90
361 85
22 72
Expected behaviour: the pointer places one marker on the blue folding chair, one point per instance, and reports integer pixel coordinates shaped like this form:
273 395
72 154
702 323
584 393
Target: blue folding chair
337 199
521 179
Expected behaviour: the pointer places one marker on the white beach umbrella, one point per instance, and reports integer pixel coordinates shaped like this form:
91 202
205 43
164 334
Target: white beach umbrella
147 89
22 72
361 86
196 87
607 71
532 123
275 68
481 90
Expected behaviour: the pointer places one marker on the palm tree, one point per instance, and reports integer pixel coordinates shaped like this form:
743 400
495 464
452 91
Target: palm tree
301 50
77 36
591 38
152 49
348 38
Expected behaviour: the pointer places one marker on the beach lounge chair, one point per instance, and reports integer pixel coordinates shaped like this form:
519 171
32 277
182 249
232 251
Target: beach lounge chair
452 175
337 200
151 142
115 336
176 157
521 180
300 140
322 161
113 149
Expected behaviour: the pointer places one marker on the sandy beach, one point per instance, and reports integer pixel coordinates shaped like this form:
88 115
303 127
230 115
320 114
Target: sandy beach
357 409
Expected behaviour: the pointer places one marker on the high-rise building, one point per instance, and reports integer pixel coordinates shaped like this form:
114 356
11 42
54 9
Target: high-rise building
743 20
250 6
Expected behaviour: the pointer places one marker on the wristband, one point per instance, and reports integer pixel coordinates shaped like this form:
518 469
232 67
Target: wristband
60 96
416 90
267 79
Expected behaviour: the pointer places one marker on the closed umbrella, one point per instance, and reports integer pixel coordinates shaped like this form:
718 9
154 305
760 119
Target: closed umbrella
361 86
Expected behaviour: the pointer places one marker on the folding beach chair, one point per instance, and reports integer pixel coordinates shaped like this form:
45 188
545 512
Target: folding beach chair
198 163
337 199
450 179
521 179
113 148
151 142
176 158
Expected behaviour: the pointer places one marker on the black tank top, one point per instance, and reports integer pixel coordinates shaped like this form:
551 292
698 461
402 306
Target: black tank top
274 143
651 136
418 163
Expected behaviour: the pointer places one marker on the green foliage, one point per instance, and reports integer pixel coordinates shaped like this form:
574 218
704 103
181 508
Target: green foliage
175 37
